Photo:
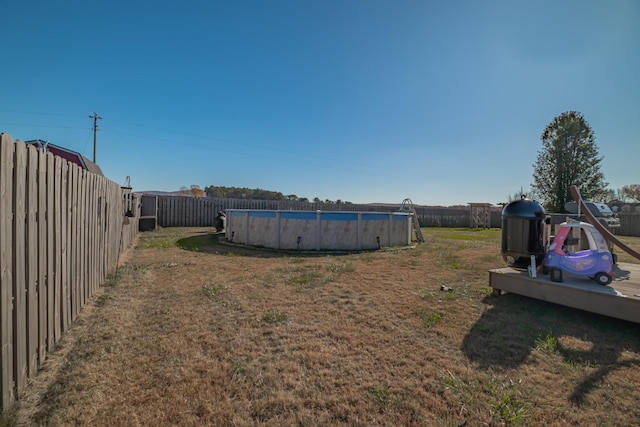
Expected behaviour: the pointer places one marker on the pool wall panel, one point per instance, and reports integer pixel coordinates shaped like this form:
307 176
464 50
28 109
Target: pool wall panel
316 230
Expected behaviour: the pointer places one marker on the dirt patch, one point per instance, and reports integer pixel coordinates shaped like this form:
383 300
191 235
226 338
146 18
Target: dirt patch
194 332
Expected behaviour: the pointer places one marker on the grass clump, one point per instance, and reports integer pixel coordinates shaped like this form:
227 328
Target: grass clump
269 280
511 409
233 254
429 319
425 293
486 291
303 276
237 368
340 268
452 382
129 270
102 300
453 262
275 317
448 294
548 343
382 396
504 401
213 290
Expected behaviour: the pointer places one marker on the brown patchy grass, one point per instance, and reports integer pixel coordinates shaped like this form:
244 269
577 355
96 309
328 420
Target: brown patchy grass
192 332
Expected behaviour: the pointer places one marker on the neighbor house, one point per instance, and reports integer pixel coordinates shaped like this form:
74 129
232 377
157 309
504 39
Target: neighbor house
69 155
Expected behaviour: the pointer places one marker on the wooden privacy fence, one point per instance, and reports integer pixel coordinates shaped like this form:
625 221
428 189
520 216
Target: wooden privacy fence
183 211
629 224
62 230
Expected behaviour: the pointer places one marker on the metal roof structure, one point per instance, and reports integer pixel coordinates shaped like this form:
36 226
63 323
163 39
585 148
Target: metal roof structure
69 155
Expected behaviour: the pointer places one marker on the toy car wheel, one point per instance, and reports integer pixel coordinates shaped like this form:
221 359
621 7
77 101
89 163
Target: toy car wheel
603 279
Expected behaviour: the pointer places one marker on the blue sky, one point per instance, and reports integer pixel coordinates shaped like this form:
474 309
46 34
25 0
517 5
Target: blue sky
358 100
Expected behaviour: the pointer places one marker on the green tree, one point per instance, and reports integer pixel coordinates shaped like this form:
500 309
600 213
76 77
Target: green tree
569 156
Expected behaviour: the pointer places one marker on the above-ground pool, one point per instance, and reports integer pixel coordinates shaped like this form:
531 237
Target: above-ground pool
317 230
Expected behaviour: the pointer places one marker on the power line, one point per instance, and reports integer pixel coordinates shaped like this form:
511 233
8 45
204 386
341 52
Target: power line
190 134
41 126
235 142
39 113
332 165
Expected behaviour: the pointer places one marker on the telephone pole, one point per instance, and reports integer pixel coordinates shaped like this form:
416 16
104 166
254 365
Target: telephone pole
95 118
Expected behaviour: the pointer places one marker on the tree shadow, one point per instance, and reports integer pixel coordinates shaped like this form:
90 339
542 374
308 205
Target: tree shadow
513 326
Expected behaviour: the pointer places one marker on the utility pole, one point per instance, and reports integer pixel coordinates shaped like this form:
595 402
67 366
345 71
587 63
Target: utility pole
95 118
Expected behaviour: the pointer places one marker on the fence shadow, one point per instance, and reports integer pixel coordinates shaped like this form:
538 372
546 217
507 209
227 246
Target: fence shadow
514 326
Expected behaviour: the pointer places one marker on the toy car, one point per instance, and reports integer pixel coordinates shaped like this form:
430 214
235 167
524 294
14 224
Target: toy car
595 262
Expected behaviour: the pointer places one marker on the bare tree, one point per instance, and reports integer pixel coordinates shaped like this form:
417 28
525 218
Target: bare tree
519 195
632 191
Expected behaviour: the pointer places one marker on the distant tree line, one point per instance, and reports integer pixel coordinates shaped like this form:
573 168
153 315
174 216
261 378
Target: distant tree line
245 193
214 191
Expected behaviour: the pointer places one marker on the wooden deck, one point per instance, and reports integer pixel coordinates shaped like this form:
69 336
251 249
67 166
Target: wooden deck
621 299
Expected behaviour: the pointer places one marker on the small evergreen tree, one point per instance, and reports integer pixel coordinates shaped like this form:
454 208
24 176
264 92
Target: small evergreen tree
569 156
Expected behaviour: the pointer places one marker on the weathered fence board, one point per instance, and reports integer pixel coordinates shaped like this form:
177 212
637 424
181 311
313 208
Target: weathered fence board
74 239
6 266
58 248
32 259
19 273
82 285
61 233
64 243
43 229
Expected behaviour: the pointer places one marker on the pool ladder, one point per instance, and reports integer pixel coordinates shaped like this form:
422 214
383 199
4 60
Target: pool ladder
407 206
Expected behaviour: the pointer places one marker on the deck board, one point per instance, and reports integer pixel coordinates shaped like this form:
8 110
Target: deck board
620 299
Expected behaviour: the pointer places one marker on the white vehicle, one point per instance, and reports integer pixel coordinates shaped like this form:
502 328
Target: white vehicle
601 211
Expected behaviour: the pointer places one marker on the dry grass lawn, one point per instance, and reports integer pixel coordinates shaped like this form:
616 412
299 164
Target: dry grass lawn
192 332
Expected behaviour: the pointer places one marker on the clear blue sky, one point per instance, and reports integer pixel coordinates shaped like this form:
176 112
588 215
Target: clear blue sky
359 100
